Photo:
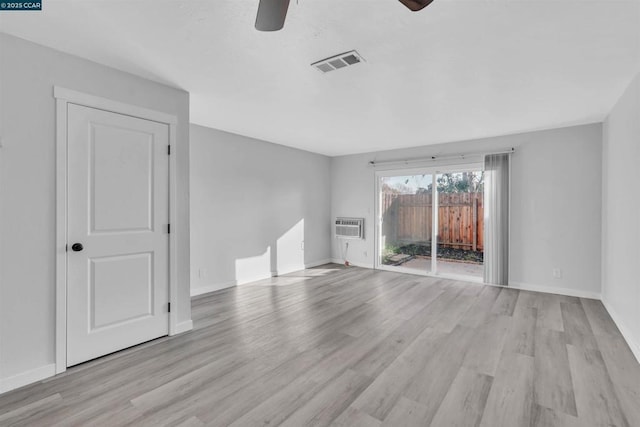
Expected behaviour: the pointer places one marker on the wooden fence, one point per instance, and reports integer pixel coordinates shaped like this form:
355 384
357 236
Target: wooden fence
407 218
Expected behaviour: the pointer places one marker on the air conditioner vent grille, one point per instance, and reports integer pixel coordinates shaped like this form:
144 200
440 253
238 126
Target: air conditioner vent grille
325 68
336 62
349 228
351 59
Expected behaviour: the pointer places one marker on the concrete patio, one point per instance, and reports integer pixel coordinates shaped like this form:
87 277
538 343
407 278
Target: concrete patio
457 268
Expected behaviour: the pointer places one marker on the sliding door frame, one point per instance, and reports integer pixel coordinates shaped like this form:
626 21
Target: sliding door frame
425 170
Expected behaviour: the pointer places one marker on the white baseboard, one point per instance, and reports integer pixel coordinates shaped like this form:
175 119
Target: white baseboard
518 285
185 326
300 267
355 264
287 271
283 272
624 330
555 290
26 378
256 278
48 371
317 263
212 288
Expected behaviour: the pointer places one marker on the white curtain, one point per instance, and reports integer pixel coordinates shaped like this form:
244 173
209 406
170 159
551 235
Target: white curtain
496 219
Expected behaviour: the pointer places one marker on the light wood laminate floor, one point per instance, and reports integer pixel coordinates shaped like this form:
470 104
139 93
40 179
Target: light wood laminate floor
355 347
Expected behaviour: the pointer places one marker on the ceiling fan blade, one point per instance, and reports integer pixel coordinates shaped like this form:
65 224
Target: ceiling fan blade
416 5
271 15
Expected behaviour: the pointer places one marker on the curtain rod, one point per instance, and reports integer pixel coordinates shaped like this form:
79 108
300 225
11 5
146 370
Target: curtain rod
433 158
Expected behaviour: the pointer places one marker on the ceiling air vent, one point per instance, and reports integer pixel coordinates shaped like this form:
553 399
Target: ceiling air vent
338 61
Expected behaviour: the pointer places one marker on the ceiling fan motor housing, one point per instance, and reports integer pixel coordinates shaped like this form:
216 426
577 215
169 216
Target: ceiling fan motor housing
272 13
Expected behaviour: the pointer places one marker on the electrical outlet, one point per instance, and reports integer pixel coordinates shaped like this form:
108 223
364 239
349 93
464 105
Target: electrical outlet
364 253
557 273
202 273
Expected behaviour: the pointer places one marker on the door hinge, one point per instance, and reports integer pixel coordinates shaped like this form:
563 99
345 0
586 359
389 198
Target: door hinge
66 248
168 228
168 149
169 307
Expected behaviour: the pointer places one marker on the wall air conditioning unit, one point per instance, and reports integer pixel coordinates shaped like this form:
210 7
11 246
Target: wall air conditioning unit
350 228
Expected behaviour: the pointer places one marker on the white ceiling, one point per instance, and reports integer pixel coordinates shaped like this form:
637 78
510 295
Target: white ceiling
456 70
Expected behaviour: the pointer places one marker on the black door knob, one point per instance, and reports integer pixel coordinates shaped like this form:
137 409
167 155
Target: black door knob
77 247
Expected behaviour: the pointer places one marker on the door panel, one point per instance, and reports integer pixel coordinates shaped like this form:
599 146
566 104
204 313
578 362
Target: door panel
121 289
122 180
406 222
118 209
460 219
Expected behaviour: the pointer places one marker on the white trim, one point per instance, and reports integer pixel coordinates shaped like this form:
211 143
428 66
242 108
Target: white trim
93 101
260 277
287 271
173 236
256 278
185 326
624 330
63 98
354 264
61 237
512 285
317 263
300 267
552 290
26 378
201 290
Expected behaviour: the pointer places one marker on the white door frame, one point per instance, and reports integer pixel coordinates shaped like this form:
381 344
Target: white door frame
64 97
432 170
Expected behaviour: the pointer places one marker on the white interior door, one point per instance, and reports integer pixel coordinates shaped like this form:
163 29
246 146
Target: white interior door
118 243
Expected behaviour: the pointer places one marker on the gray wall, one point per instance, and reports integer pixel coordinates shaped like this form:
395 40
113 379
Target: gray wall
621 215
28 73
253 204
556 196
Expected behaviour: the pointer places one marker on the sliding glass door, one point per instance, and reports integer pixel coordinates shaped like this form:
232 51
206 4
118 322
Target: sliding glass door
460 223
406 221
431 221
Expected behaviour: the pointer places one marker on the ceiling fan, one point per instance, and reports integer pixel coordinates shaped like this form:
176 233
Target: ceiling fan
272 13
